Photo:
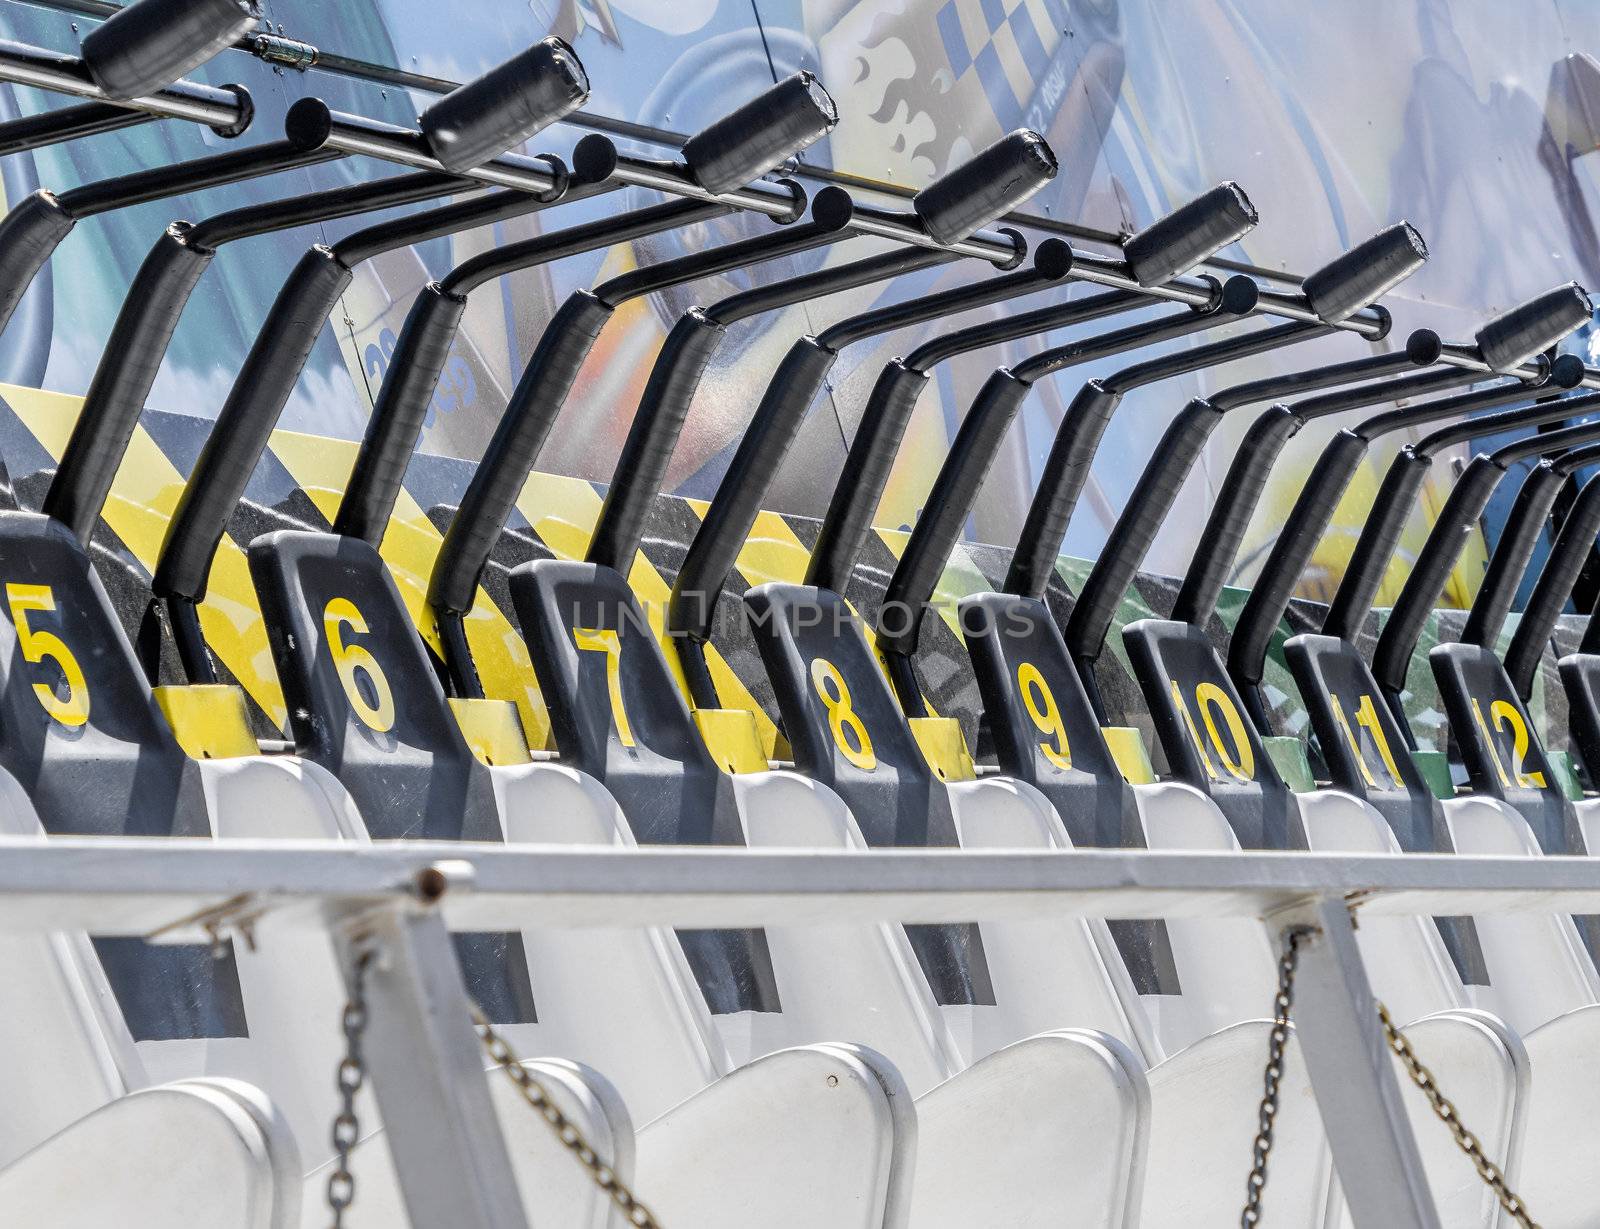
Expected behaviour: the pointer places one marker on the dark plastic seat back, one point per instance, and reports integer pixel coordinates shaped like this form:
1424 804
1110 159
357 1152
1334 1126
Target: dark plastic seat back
1580 680
365 703
616 713
81 732
1500 747
1045 733
1208 741
1367 755
847 731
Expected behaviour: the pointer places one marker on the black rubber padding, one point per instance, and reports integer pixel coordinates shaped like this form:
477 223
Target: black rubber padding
1346 284
151 43
1295 545
646 453
1431 571
1375 547
505 106
239 437
1519 535
1183 238
1552 590
1237 498
945 511
752 139
1515 336
594 159
716 544
1135 529
398 414
987 186
28 235
864 475
518 438
1061 481
116 396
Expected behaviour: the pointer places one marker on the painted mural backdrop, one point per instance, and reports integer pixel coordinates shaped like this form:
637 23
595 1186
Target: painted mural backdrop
1467 119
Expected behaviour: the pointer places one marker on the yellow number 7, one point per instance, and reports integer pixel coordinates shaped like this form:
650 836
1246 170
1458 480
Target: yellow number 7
37 645
605 640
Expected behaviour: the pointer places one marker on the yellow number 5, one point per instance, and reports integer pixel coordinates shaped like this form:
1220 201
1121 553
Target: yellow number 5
36 646
349 658
842 720
605 640
1046 716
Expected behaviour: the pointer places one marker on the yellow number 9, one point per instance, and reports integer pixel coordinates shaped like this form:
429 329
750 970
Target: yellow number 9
847 728
349 658
1046 717
37 645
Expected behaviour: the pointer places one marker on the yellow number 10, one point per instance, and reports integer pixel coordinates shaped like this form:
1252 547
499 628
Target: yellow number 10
1235 753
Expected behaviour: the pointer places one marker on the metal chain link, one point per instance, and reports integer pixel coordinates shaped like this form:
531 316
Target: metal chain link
535 1094
352 1074
1277 1042
1465 1139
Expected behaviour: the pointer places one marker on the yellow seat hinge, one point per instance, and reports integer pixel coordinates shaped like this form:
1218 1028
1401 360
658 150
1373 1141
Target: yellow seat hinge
732 737
493 729
944 747
210 720
1127 748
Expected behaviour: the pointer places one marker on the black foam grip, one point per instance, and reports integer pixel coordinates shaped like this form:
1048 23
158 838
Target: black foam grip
28 235
505 106
1518 537
1066 471
1562 566
1431 571
715 547
1183 238
151 43
1131 536
864 475
752 139
1295 545
530 413
641 469
1237 498
1517 335
1347 283
988 185
1376 545
949 503
122 380
398 414
243 428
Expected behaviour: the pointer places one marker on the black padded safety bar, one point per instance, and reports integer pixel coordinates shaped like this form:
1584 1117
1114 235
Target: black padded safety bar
1448 535
1241 488
243 428
1553 588
151 43
149 316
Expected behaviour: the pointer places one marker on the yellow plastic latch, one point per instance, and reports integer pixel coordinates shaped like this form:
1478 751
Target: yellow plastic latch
1126 745
733 738
944 747
210 720
493 730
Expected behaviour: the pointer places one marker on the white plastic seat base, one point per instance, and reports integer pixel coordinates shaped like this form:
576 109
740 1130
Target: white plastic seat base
200 1152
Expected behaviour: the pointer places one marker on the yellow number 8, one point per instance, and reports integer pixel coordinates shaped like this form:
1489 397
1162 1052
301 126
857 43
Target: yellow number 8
348 658
835 696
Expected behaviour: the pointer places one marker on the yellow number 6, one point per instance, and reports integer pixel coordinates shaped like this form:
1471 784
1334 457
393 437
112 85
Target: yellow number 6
348 658
36 646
